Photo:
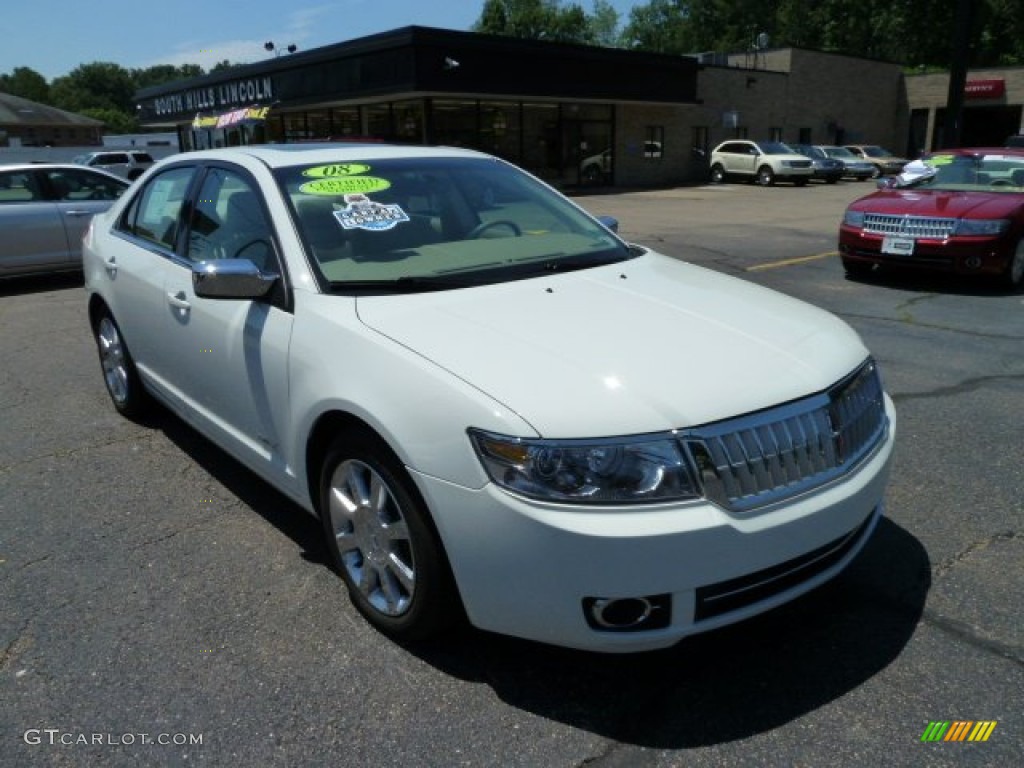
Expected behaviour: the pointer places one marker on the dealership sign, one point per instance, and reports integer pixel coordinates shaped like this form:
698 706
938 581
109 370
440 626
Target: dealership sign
985 89
236 93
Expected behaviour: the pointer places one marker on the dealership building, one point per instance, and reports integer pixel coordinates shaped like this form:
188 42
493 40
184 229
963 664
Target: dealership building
571 114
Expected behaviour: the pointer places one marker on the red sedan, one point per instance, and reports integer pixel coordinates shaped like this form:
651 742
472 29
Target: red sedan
958 211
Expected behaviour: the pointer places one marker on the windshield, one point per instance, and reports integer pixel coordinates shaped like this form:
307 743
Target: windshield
774 148
840 152
877 152
967 173
445 221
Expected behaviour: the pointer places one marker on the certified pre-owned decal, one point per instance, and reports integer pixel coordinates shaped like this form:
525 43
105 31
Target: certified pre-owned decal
335 170
344 185
360 212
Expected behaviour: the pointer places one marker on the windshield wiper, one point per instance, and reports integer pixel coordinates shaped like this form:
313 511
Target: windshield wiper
407 284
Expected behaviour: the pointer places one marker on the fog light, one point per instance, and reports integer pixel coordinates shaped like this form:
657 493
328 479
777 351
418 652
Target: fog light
973 262
628 614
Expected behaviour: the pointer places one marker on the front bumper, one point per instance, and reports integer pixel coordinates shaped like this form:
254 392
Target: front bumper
957 255
527 569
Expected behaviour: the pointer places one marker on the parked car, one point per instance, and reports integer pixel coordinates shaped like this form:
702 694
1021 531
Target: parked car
44 211
884 161
962 211
597 169
493 404
762 161
825 168
854 167
129 164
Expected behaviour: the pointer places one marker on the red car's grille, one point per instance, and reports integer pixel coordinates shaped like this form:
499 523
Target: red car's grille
909 226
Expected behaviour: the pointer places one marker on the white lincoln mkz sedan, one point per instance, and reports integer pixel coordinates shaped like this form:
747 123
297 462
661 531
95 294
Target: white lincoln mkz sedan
497 408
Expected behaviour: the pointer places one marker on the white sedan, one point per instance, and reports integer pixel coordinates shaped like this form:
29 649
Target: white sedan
497 408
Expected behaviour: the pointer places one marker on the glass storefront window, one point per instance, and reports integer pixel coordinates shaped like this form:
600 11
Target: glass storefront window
454 123
295 126
318 125
408 117
378 122
500 129
345 122
542 141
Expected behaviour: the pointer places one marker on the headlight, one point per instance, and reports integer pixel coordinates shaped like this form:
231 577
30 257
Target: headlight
982 226
620 470
854 219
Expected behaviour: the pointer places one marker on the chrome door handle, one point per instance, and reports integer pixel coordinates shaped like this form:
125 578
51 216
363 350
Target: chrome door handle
111 266
76 212
178 301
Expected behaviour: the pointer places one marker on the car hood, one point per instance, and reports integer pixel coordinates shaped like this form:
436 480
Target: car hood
642 346
922 202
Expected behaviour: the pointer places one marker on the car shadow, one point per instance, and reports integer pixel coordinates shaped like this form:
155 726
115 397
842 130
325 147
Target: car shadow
262 498
712 688
724 685
932 282
29 284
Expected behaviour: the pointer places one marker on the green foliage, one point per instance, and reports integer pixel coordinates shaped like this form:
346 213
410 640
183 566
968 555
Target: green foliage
26 83
914 33
114 120
99 85
548 20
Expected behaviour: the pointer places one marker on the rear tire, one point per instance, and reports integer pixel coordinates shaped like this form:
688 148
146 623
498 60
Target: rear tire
119 374
382 541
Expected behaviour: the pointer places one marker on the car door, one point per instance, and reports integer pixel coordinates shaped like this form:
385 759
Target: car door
79 195
231 355
139 257
33 238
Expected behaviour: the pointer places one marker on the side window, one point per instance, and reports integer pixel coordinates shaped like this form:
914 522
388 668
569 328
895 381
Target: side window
228 221
156 213
19 187
70 184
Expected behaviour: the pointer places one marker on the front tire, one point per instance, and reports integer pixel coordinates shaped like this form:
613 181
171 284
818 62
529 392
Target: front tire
1013 276
857 270
119 373
765 176
382 541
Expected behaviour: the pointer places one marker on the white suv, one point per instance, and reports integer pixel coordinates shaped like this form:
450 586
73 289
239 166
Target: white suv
761 161
129 164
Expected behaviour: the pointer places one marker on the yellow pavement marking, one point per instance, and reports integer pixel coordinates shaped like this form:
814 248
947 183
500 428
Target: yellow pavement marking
789 262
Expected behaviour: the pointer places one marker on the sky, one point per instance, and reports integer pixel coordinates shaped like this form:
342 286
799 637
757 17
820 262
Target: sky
55 36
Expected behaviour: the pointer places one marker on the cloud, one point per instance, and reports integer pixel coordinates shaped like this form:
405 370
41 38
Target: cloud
302 27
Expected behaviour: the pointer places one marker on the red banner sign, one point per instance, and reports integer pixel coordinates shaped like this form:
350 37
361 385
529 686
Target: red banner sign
985 89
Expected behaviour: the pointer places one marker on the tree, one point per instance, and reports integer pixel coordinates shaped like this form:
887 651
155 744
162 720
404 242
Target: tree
114 120
534 20
26 83
99 85
604 24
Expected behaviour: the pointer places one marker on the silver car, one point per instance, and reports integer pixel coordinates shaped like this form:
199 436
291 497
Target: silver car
44 211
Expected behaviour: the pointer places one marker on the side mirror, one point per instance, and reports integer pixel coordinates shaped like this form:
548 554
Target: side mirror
610 222
231 279
887 182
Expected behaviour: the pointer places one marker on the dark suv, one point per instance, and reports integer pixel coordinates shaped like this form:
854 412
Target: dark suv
127 163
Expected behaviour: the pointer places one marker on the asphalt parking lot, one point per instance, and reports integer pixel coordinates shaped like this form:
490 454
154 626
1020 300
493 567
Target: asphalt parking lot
154 594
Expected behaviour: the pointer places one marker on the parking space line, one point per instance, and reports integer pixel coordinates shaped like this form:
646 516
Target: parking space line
790 262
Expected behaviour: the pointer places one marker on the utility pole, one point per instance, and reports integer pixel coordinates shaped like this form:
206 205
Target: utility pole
952 127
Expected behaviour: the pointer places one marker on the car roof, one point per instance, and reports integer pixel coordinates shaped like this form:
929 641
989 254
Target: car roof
1014 151
284 155
57 167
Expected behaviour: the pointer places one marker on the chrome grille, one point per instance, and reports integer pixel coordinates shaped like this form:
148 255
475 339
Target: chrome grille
909 226
764 457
